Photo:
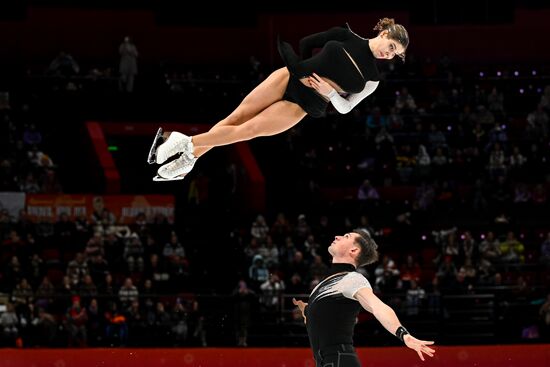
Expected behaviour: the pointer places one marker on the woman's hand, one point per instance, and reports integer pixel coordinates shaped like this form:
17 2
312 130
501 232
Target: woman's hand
317 83
420 346
302 306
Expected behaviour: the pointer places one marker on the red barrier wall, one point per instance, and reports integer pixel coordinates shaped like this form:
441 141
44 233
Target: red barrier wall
471 356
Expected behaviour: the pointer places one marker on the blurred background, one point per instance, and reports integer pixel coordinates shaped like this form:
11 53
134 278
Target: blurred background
446 164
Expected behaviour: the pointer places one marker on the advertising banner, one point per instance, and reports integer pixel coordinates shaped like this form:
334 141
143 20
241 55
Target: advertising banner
44 207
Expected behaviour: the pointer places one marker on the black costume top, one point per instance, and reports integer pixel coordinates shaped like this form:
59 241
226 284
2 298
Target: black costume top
332 310
340 49
345 59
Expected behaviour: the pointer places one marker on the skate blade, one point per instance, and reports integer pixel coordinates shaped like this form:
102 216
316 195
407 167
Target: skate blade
152 158
158 178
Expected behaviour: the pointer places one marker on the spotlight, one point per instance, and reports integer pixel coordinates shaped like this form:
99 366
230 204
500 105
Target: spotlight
516 73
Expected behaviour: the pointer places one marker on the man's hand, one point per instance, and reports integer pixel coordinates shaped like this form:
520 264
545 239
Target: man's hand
420 346
302 306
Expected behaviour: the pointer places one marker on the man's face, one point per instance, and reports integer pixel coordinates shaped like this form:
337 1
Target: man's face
342 245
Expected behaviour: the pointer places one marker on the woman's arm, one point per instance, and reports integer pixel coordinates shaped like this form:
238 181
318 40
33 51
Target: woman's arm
317 40
341 104
345 105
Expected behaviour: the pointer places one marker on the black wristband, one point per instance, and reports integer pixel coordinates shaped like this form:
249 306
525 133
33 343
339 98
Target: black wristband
401 332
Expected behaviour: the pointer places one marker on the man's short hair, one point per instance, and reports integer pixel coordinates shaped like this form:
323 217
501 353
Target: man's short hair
369 248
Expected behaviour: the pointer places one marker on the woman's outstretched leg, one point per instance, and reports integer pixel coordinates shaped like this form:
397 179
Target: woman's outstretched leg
265 94
278 117
258 102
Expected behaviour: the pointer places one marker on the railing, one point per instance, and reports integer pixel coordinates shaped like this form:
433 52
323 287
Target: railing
220 320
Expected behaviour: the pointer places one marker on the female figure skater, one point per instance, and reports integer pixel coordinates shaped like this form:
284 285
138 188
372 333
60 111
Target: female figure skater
344 66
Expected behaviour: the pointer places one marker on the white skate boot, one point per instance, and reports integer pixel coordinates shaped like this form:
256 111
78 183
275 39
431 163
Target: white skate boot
177 169
162 149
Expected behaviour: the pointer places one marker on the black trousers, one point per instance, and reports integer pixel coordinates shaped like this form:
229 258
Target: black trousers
340 355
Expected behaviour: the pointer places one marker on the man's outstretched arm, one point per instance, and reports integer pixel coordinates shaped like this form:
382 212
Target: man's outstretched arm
389 320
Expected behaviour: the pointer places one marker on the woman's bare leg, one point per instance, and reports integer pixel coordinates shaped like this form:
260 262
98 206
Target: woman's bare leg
278 117
265 94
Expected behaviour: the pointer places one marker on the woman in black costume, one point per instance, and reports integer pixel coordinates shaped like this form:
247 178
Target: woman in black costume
343 73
